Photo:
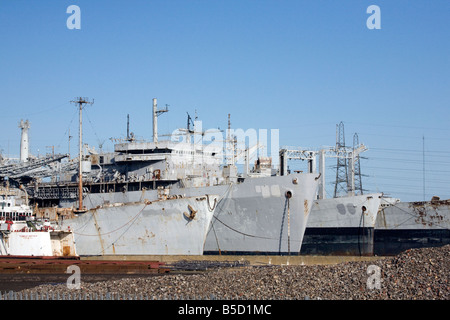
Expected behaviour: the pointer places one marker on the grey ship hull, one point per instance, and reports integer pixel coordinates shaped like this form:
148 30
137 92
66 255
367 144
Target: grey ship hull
342 226
406 225
255 214
256 217
161 227
250 217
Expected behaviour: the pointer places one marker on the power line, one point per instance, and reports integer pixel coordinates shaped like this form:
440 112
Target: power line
397 126
406 169
409 150
47 110
412 179
407 160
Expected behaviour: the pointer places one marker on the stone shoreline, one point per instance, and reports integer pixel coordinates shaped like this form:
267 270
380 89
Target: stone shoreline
421 274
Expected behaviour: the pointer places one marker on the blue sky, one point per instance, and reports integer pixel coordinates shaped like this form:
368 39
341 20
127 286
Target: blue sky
297 66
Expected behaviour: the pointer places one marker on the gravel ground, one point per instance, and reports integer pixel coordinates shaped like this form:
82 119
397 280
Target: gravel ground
414 274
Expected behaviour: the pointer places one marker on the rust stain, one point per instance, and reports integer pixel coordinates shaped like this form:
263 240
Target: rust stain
98 228
305 208
430 216
66 251
148 235
382 215
19 265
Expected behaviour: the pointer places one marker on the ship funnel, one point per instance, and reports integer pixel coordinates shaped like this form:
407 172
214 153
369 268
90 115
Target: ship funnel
24 146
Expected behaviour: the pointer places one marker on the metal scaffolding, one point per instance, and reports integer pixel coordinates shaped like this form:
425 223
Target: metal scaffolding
349 155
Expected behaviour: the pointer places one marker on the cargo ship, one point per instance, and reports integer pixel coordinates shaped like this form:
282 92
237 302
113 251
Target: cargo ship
405 225
268 211
342 226
115 225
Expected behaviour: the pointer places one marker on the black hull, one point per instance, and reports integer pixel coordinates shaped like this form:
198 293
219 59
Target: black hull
338 241
392 242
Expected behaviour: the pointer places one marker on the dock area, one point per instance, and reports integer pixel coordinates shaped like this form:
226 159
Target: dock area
160 263
249 259
413 274
43 265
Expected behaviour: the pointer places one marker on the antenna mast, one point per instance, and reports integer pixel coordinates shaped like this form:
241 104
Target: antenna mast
80 102
156 113
423 165
230 143
128 127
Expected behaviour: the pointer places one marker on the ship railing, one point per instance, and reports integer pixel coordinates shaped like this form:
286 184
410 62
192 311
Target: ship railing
55 193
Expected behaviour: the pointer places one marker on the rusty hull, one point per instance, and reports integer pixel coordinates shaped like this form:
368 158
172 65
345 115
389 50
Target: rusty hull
59 266
157 227
406 225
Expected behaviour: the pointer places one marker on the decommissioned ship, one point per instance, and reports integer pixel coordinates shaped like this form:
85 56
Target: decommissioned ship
344 224
404 225
115 224
353 223
169 197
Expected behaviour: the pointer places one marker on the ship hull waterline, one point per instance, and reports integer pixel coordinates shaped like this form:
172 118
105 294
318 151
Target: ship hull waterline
265 215
342 226
250 217
161 227
407 225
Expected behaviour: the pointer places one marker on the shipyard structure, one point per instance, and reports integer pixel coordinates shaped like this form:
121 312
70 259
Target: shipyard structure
186 197
167 197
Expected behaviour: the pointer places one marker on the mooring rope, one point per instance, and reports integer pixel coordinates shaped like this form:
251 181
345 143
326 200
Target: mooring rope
412 216
112 231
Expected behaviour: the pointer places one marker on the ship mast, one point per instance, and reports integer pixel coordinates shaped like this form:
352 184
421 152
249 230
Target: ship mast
80 101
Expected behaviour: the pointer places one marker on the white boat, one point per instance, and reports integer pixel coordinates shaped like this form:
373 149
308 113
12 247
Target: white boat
22 235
